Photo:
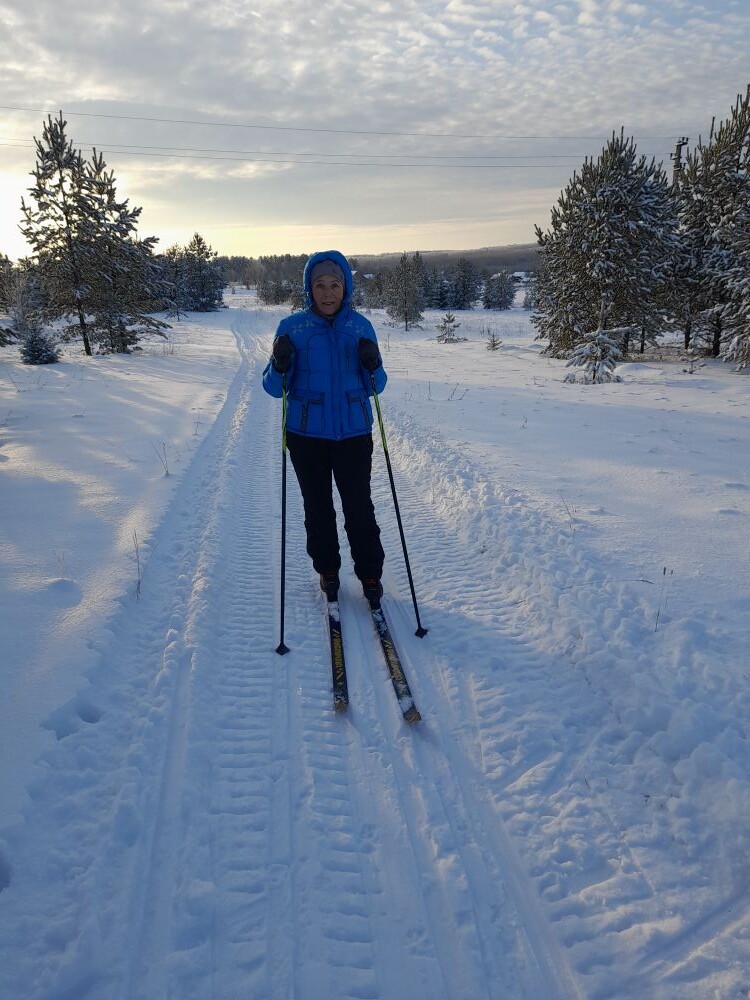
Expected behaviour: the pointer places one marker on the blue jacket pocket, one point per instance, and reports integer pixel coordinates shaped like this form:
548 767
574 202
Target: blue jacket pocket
305 412
359 413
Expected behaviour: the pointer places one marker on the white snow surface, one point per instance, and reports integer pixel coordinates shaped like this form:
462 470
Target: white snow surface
183 816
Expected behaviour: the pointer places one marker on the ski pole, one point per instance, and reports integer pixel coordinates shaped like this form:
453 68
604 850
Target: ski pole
282 648
421 631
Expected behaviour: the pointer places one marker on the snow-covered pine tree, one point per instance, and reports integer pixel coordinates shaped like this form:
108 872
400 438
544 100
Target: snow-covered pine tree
6 269
122 276
732 234
598 355
699 288
56 224
375 291
530 292
25 313
358 293
203 276
297 296
38 348
466 284
493 341
264 290
610 245
499 291
404 291
446 330
25 301
172 277
431 283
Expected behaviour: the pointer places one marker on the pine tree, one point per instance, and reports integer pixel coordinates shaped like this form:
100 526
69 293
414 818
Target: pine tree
122 274
203 276
499 291
172 267
608 251
375 291
6 269
296 297
57 225
598 355
447 330
732 233
493 341
530 294
466 284
6 272
699 289
404 291
25 303
92 267
432 280
264 290
38 348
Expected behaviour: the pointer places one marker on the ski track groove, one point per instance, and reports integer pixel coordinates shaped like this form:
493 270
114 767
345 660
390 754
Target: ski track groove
177 915
488 850
241 840
591 899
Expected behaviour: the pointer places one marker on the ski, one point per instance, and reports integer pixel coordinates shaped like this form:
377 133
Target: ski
409 710
338 664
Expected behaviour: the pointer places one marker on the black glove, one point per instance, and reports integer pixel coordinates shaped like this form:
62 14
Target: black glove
283 353
369 355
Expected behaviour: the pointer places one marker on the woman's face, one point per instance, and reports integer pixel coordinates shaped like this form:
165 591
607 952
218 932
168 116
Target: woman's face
328 294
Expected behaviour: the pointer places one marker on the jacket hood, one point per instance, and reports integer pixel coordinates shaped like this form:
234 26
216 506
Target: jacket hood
342 262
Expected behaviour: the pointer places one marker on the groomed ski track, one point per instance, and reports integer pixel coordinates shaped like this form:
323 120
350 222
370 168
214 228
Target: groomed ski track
214 830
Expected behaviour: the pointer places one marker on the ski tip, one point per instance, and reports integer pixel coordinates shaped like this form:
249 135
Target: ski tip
412 714
340 705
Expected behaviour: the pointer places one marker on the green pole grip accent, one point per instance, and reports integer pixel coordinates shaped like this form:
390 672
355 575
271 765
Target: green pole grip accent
380 417
283 413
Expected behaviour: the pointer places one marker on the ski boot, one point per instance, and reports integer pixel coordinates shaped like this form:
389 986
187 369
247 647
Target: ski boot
373 591
329 584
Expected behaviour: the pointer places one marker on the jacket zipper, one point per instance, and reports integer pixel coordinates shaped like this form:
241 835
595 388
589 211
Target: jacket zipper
337 383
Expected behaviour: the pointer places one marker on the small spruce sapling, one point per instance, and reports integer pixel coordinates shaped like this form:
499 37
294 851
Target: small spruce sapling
38 348
597 355
491 337
447 330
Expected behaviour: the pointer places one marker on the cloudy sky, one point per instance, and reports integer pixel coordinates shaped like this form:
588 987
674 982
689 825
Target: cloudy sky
368 125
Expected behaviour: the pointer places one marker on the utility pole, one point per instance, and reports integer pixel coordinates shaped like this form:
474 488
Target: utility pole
676 159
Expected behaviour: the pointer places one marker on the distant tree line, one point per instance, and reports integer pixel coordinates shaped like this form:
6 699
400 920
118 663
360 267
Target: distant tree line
629 255
404 290
88 267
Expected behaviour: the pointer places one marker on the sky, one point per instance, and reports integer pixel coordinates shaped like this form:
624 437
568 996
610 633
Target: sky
367 125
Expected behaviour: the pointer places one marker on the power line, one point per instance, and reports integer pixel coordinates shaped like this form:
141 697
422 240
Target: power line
177 150
312 159
328 131
329 163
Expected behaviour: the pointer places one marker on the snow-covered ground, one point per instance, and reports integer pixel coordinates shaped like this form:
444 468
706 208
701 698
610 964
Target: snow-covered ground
182 813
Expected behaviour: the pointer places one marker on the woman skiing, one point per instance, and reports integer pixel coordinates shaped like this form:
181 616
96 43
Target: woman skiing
327 358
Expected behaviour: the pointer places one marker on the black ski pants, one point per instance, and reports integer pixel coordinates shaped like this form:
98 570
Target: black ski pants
318 461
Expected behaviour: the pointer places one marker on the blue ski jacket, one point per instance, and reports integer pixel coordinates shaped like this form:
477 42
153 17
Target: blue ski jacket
327 388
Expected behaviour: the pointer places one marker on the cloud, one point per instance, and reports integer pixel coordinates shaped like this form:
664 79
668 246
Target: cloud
504 68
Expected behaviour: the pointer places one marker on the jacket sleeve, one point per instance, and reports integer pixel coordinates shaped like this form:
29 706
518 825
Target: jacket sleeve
272 379
379 375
